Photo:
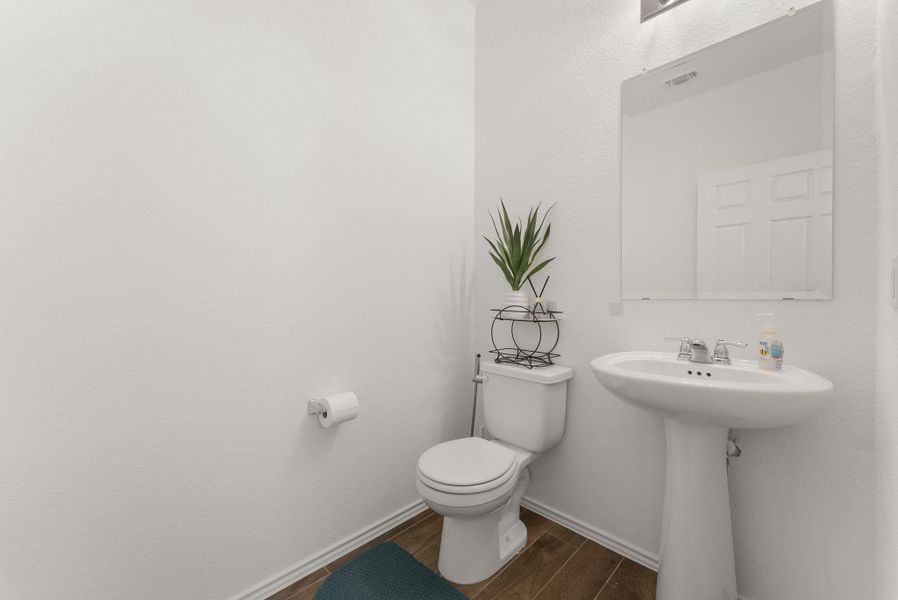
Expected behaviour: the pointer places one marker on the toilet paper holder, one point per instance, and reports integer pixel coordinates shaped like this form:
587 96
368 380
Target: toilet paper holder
315 408
335 409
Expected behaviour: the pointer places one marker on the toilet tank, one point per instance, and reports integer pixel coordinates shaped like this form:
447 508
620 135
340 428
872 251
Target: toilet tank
525 407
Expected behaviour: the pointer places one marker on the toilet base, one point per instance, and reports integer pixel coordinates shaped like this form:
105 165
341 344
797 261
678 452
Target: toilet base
512 541
476 546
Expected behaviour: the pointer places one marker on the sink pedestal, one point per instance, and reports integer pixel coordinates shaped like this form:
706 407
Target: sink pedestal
700 402
697 534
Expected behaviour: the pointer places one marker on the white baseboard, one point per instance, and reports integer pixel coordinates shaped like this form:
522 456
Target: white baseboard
603 538
315 562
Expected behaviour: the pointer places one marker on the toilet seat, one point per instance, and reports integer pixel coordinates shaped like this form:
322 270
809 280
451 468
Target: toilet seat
467 466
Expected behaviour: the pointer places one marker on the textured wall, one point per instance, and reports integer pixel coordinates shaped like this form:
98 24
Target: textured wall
548 101
210 212
887 316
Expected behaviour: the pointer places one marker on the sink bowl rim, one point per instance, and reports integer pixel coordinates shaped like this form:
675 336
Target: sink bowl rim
789 380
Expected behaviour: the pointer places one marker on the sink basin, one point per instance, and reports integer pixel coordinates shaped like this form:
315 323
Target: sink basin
700 403
739 395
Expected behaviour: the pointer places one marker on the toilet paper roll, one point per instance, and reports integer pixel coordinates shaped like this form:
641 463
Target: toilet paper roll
338 408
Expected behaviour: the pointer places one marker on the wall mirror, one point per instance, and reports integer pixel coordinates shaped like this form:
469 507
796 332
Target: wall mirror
727 168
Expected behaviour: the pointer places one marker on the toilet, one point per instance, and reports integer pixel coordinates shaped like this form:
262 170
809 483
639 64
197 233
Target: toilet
477 484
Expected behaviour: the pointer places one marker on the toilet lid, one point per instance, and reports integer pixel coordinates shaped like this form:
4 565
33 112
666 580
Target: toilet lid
466 461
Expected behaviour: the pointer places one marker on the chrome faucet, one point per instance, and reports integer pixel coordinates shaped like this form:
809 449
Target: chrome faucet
697 350
685 347
721 354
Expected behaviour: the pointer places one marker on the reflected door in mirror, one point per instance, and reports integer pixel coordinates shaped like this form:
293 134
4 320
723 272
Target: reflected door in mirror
765 230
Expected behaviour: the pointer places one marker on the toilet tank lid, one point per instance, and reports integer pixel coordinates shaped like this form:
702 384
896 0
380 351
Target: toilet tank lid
550 374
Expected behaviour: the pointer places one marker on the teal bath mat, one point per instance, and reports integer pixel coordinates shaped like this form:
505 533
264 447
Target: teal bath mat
386 572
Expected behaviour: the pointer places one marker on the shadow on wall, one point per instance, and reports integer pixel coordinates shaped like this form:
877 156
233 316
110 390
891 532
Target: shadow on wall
448 353
312 439
452 329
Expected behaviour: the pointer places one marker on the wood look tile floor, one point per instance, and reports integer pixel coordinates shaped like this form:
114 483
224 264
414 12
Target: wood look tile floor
555 564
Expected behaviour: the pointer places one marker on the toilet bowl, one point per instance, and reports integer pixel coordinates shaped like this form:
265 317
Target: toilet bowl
477 484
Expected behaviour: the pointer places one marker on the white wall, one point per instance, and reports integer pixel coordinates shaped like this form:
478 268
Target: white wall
548 113
886 430
210 212
778 113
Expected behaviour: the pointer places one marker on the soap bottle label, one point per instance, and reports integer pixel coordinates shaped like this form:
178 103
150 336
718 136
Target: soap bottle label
770 354
776 353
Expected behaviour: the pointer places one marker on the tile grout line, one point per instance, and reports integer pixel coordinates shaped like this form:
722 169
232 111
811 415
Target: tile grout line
311 583
610 577
555 574
495 575
410 526
327 570
505 566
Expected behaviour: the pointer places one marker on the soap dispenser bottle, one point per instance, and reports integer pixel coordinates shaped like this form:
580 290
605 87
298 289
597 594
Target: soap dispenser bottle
770 348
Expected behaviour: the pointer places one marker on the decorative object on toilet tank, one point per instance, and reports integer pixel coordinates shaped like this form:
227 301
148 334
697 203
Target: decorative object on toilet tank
538 304
531 345
515 250
532 348
653 8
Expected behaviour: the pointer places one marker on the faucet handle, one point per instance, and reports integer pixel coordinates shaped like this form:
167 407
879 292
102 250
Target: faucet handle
685 346
721 354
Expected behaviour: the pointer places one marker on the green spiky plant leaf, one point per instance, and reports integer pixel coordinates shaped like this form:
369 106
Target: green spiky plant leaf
517 245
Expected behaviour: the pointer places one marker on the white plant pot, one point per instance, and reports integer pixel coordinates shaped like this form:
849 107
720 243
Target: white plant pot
519 301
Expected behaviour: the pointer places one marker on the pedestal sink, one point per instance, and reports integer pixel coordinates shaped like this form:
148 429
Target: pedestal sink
700 403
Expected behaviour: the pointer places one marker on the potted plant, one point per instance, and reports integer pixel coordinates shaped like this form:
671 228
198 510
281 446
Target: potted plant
515 250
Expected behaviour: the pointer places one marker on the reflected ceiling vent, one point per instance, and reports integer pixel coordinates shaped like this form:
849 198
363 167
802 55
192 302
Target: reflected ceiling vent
681 79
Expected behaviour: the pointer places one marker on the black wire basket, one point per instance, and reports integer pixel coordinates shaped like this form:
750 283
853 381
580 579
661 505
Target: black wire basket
531 356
